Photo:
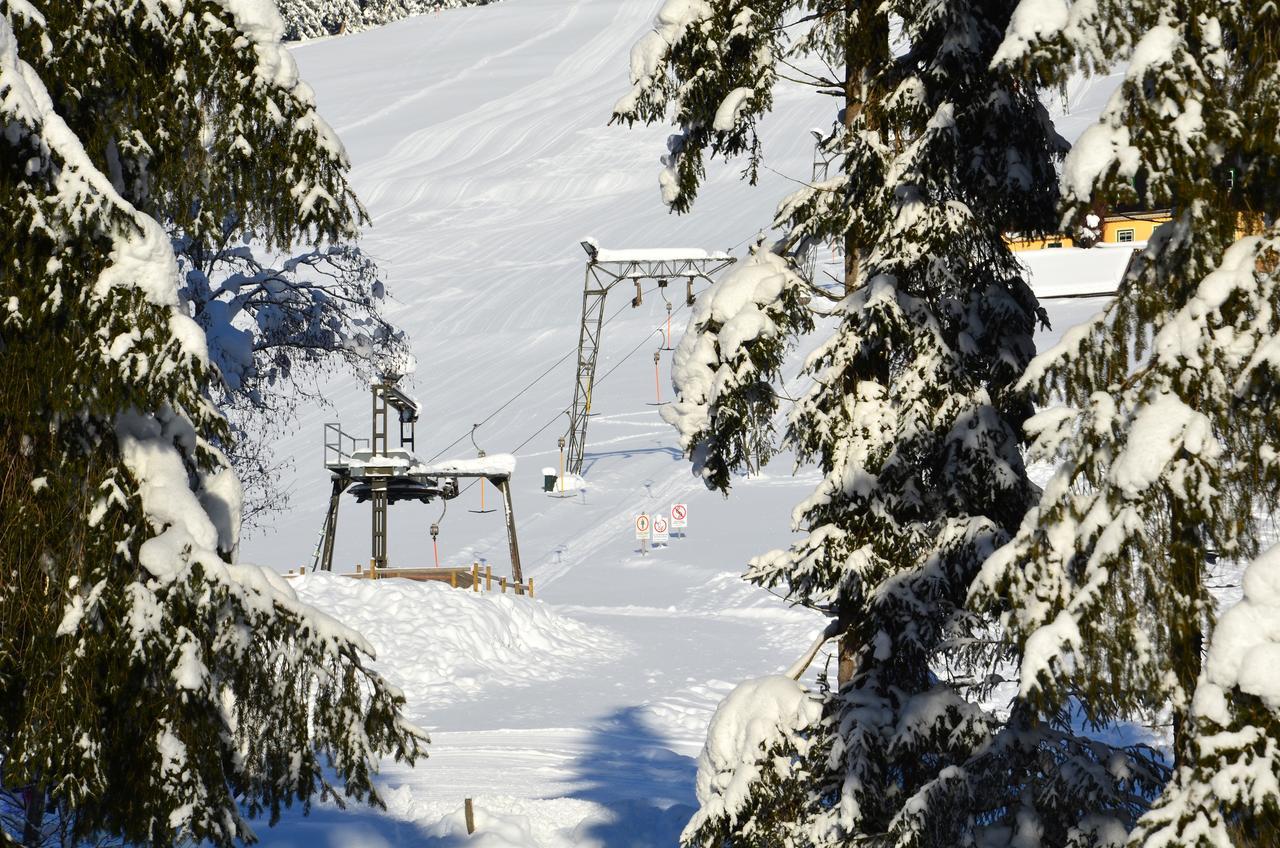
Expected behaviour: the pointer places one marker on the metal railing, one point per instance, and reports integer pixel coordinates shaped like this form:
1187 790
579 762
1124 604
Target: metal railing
339 445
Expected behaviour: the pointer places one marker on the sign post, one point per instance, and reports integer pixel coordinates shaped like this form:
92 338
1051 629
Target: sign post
660 534
679 517
643 528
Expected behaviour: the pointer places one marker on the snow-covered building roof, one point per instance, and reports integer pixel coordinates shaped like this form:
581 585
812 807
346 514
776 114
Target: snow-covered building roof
1075 271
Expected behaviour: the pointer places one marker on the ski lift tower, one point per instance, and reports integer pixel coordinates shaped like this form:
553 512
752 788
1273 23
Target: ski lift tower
371 470
605 269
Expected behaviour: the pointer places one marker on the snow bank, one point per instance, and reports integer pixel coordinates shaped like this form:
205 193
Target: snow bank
444 645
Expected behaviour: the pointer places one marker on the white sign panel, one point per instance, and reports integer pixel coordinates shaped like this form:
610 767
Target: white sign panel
642 526
679 516
660 532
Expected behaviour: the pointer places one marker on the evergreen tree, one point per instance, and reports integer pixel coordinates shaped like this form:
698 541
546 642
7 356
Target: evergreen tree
314 18
913 415
1168 444
150 689
317 18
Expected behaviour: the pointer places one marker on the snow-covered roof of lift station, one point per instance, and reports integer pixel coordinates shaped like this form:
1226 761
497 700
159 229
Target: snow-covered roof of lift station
399 462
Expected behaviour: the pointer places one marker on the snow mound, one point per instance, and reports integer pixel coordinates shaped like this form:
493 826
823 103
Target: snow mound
443 645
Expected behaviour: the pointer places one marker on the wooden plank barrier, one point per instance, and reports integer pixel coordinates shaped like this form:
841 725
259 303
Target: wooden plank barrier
468 577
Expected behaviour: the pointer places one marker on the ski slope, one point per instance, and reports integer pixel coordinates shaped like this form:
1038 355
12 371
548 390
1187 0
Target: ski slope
481 148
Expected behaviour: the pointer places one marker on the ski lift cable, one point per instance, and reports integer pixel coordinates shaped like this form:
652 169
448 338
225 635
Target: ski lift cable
606 375
517 395
598 381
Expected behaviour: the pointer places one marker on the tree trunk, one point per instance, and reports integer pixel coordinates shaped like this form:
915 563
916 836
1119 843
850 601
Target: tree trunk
33 815
1186 631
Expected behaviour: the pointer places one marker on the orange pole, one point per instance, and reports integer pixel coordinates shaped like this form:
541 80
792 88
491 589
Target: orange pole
657 381
435 549
482 494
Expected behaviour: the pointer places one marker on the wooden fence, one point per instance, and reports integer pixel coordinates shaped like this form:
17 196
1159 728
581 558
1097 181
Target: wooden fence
474 578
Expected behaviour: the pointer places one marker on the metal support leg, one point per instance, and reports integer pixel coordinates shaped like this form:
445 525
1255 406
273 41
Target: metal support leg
378 499
378 444
340 485
593 296
504 485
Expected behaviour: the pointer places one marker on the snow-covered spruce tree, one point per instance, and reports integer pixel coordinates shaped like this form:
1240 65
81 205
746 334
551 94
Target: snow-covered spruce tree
150 690
318 18
1169 445
913 416
275 316
313 18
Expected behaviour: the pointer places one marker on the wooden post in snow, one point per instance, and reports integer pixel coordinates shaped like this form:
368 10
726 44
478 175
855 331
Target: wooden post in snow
516 574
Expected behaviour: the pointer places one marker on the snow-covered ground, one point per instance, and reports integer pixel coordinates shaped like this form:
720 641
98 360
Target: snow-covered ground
480 145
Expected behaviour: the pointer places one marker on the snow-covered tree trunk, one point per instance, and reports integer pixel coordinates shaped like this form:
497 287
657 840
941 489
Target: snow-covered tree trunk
913 416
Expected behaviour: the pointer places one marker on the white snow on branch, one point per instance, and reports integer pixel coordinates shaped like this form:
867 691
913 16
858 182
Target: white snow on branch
1161 429
674 19
756 717
708 363
730 109
1033 21
1244 650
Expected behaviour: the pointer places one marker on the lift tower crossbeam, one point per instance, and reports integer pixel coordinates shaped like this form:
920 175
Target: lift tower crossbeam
605 269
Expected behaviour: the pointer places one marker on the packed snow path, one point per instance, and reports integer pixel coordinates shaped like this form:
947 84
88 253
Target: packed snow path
480 147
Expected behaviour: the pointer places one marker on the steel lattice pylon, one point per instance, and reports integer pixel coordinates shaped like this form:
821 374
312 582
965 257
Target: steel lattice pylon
605 269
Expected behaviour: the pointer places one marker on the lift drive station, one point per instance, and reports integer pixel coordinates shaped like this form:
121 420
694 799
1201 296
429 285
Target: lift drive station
371 470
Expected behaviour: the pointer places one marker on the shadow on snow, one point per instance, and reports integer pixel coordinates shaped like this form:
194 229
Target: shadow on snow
648 788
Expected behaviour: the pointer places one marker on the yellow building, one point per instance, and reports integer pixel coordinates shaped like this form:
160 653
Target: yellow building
1123 227
1017 243
1117 228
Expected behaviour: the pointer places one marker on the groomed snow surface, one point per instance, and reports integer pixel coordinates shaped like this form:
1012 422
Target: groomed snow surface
480 145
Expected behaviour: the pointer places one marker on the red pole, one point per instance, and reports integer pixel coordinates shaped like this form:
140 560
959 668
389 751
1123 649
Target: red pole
435 549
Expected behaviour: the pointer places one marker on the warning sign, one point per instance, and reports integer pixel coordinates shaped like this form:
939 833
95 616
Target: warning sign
643 524
679 516
660 531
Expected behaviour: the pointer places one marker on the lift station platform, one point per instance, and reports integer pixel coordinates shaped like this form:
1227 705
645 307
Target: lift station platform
372 470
